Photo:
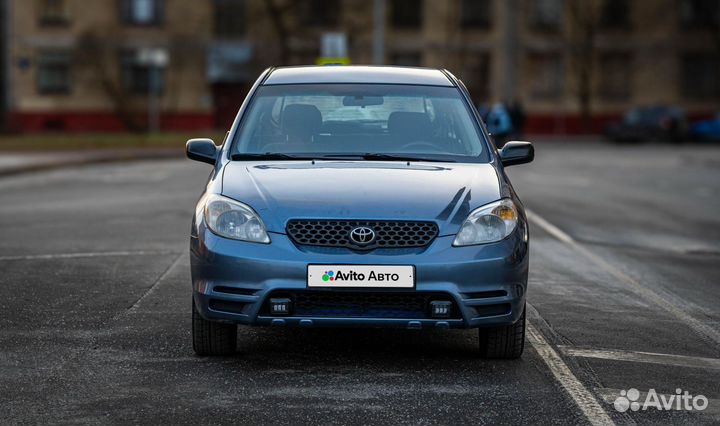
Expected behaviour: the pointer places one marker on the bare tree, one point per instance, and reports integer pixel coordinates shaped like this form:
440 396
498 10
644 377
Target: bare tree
4 65
583 22
97 53
277 11
294 21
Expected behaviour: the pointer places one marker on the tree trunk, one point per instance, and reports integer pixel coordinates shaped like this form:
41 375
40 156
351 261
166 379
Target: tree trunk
583 21
281 30
93 52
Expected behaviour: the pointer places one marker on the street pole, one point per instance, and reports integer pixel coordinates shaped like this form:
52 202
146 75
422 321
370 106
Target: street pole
379 32
5 96
510 49
155 59
153 101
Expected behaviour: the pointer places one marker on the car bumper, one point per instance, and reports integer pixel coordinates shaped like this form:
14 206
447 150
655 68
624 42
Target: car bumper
233 280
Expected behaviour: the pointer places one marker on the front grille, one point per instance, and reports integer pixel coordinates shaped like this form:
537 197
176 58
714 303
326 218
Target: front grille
336 233
352 304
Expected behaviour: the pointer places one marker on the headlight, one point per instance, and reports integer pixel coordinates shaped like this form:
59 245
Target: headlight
488 224
232 219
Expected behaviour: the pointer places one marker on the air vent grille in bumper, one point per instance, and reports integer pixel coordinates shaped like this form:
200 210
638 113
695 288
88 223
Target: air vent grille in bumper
362 304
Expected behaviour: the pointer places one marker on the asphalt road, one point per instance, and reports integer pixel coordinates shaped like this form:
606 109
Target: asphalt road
624 293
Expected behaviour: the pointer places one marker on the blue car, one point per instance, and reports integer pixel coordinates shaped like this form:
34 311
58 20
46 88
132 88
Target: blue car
706 130
359 197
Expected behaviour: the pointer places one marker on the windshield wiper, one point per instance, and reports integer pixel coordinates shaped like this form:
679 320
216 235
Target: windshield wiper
341 156
268 156
395 157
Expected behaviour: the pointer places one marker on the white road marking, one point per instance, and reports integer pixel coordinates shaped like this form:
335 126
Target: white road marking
153 287
50 256
584 399
609 395
706 331
645 357
549 227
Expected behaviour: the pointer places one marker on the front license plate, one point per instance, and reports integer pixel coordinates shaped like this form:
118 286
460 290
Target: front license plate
363 276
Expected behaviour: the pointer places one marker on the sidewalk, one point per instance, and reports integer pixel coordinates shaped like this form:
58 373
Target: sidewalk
16 162
564 138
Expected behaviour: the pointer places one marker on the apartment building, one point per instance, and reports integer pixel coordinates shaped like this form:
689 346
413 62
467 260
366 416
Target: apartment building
94 65
104 64
558 58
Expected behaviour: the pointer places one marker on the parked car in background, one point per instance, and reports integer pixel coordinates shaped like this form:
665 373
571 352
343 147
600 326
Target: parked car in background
649 123
706 130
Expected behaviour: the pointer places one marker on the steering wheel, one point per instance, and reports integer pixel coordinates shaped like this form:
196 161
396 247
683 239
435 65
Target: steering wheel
421 144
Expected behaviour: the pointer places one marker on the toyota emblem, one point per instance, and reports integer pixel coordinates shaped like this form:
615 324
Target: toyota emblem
362 235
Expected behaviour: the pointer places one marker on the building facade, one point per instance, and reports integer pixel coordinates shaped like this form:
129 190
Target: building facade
572 64
99 65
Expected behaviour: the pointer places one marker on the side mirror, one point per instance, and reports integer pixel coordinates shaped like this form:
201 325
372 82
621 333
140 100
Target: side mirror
202 149
515 152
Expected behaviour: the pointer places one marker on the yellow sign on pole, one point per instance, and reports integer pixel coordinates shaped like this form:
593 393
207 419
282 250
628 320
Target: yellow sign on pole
332 61
333 49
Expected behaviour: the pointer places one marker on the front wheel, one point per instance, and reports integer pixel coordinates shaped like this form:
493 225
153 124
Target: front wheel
504 342
212 338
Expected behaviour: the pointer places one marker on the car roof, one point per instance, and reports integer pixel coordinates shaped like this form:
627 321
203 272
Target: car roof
358 74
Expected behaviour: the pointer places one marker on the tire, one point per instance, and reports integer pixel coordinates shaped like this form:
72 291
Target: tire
504 342
212 338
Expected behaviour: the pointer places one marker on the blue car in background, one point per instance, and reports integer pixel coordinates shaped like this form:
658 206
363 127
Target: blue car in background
706 130
649 123
359 196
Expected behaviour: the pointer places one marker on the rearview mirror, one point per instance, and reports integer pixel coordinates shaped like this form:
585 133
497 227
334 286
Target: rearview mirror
516 152
201 149
363 101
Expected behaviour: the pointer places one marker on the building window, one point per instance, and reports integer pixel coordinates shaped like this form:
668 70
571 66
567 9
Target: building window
230 18
406 14
142 12
319 13
546 75
136 75
615 76
53 73
476 14
53 13
615 15
546 15
699 76
407 59
475 73
699 14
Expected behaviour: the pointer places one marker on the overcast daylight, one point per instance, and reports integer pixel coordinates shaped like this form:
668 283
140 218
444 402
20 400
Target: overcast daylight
360 212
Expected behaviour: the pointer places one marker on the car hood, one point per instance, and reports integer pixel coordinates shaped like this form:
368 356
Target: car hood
441 192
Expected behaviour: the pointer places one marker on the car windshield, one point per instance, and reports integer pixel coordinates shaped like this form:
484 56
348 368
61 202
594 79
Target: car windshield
647 115
371 121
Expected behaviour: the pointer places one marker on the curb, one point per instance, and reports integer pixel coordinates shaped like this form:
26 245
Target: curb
95 158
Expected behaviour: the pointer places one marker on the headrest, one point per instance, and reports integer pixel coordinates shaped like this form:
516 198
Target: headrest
410 125
301 120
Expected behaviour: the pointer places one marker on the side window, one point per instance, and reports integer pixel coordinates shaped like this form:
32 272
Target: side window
262 124
277 108
429 109
53 75
453 125
141 12
53 13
